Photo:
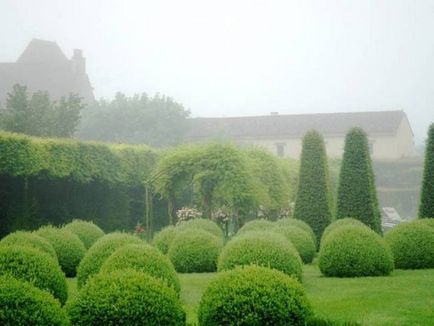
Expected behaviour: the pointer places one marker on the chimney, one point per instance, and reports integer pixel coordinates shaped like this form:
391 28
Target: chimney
78 63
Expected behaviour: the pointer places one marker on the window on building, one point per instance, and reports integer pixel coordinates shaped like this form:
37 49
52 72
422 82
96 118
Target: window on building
280 149
371 147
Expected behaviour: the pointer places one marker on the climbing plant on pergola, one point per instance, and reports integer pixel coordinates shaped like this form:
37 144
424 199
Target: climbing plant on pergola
218 174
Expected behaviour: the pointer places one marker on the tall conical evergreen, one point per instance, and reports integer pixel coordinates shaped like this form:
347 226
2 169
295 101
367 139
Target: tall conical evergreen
426 208
357 196
313 201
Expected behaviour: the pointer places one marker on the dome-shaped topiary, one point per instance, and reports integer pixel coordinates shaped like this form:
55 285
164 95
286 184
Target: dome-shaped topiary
268 249
99 252
144 258
164 238
256 225
23 304
253 295
427 221
28 239
351 251
195 251
88 232
412 245
298 223
126 297
301 240
339 223
202 224
68 246
34 266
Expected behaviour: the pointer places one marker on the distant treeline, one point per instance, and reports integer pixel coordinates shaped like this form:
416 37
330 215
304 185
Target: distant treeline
140 119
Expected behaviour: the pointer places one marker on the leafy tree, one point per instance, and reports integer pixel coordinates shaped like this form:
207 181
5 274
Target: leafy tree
156 121
357 196
38 115
426 208
313 201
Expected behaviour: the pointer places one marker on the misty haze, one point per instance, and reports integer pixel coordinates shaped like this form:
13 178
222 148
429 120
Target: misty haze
216 163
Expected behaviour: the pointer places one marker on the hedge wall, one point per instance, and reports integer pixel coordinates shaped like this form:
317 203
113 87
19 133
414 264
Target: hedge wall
54 180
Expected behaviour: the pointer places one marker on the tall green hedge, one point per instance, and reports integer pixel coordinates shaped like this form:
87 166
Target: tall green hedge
52 181
426 208
313 201
357 196
82 161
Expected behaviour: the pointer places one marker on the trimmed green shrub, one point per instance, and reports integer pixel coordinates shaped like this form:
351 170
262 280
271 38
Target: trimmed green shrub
357 195
195 251
301 240
339 223
99 252
143 258
412 245
313 202
426 207
256 225
23 304
88 232
164 238
253 295
35 266
126 297
202 224
351 251
28 239
68 246
267 249
427 221
298 223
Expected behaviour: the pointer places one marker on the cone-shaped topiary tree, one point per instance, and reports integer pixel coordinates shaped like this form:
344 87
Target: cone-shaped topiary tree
313 201
357 196
426 208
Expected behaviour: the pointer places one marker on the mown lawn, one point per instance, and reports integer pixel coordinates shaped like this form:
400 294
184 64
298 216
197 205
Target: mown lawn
404 298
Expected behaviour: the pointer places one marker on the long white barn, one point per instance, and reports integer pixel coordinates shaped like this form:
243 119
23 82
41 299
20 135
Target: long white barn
390 134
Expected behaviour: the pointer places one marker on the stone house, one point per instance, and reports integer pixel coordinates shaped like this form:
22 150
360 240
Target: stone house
44 67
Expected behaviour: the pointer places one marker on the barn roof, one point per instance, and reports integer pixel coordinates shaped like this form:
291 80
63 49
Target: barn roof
295 126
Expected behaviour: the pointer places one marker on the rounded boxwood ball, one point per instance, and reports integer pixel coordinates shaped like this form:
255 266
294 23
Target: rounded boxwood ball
298 223
202 224
144 258
28 239
99 252
427 221
126 297
23 304
34 266
256 225
253 295
68 246
338 223
195 251
164 238
301 240
412 245
267 249
351 251
87 231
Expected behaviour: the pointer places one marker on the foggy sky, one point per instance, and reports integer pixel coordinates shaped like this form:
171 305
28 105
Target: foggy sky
234 58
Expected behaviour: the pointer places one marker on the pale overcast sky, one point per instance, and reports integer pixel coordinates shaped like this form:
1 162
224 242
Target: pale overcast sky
233 58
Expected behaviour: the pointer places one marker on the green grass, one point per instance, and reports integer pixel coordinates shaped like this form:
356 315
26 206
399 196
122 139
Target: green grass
404 298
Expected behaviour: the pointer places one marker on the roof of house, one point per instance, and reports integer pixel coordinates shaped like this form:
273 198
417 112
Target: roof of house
43 66
41 51
295 126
